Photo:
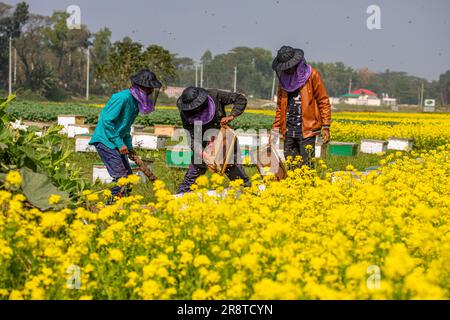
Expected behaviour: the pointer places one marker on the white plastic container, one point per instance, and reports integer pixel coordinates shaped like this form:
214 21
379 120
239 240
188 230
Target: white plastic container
78 129
148 141
373 146
400 144
320 150
82 143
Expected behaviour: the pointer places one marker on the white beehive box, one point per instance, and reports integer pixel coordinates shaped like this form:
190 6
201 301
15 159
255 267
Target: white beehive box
66 119
252 139
82 143
400 144
99 172
136 128
148 141
373 146
77 129
164 130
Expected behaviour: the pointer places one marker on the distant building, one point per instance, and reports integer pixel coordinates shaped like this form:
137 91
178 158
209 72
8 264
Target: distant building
364 97
174 92
385 100
334 100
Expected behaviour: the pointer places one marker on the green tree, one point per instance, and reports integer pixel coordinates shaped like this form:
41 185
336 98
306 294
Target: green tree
10 26
100 51
206 60
64 41
101 46
31 49
444 87
185 71
254 73
128 57
336 77
159 60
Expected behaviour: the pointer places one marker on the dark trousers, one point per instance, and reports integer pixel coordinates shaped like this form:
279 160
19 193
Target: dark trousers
297 147
117 165
233 172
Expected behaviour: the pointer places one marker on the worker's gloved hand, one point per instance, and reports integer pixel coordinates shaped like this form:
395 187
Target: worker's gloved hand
326 135
124 150
152 177
225 120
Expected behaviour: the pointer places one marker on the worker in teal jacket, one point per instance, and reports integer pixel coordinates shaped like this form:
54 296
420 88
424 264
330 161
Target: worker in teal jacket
112 136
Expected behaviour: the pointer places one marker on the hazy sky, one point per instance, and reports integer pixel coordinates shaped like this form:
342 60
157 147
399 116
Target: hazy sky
414 35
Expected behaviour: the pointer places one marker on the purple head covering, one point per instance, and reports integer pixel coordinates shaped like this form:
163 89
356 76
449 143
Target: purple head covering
145 104
206 115
291 82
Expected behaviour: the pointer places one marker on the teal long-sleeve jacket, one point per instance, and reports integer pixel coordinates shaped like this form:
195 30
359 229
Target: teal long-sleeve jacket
114 124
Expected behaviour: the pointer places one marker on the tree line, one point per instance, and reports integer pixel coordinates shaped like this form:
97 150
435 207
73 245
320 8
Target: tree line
50 61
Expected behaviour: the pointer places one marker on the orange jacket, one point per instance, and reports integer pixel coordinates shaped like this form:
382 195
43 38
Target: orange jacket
316 108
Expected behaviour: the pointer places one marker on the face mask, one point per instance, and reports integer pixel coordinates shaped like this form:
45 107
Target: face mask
146 103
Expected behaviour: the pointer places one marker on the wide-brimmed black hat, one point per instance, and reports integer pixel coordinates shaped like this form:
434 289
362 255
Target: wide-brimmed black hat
286 58
192 98
145 78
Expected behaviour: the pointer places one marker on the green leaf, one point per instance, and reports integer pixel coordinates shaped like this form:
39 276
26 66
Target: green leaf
38 188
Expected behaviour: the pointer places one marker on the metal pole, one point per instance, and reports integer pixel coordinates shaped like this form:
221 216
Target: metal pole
87 72
196 75
235 79
273 87
15 65
201 75
421 95
350 85
418 96
10 67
